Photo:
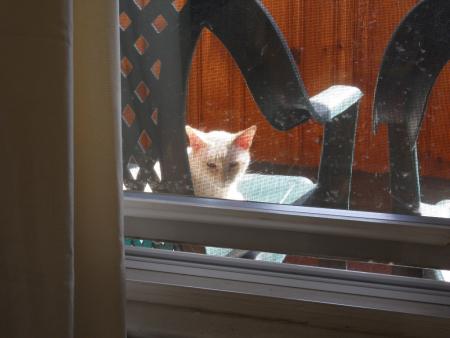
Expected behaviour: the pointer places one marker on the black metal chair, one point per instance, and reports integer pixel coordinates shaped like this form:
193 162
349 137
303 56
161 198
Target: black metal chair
158 40
416 54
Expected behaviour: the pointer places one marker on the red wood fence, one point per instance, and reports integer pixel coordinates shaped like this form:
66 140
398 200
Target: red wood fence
334 42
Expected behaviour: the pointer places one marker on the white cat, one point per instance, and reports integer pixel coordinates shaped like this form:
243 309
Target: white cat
218 160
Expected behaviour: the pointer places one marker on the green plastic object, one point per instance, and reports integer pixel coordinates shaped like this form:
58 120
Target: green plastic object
145 243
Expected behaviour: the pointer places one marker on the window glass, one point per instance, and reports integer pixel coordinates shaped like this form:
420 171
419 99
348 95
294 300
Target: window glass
298 102
238 148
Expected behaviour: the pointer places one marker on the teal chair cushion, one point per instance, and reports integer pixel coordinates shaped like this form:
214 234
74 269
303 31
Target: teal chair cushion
281 189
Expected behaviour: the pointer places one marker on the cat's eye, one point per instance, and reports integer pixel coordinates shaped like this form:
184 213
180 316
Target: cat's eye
211 165
233 164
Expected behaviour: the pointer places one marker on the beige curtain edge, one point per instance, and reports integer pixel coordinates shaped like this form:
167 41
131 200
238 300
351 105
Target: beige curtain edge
99 256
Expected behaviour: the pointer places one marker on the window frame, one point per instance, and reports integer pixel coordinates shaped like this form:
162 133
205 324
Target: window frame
187 280
285 281
358 235
321 297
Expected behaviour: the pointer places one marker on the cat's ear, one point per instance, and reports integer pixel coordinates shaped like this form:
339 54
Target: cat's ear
195 139
244 138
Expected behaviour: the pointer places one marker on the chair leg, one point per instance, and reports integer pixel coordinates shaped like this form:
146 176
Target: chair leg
404 171
335 171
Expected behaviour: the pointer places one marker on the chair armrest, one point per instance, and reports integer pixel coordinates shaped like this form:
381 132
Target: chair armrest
333 101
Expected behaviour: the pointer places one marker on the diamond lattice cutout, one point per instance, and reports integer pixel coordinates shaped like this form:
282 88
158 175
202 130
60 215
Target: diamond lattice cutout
156 69
128 115
159 24
155 116
141 45
178 4
142 91
145 142
141 3
126 66
133 167
124 21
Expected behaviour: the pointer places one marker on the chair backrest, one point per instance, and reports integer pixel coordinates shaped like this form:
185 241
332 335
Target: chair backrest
158 40
416 54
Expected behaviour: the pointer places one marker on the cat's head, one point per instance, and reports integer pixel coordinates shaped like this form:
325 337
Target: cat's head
219 157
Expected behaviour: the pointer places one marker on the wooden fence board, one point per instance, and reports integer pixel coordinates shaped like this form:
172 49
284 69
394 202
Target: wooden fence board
333 42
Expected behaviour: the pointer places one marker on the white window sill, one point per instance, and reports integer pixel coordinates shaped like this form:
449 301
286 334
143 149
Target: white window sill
257 289
284 281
